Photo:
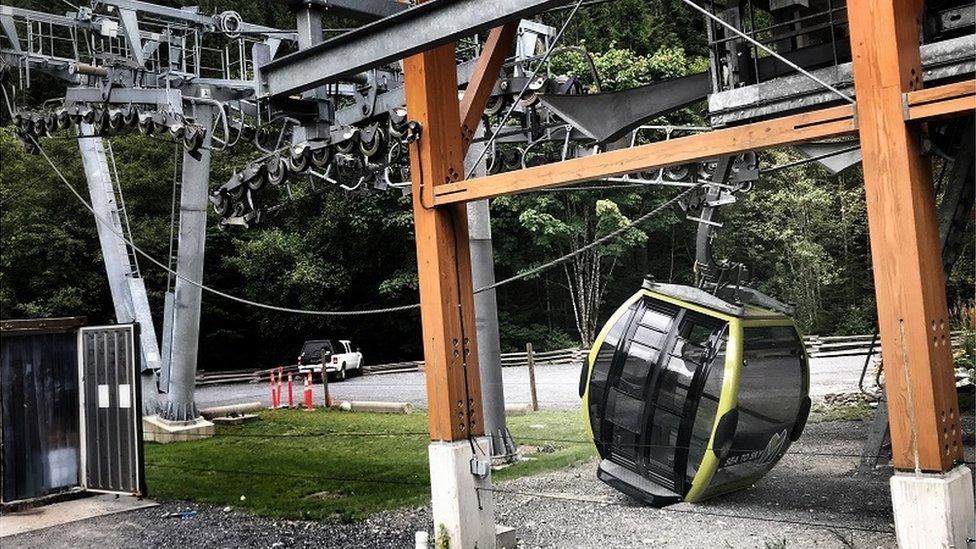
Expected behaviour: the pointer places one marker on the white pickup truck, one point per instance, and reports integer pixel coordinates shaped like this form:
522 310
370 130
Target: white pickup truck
340 355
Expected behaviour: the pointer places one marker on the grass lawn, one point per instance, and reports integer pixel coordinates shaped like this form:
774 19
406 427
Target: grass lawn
293 464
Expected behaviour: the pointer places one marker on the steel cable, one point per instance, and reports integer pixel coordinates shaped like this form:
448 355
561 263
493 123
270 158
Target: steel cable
519 276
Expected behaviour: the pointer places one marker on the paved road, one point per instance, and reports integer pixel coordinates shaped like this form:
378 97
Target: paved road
557 386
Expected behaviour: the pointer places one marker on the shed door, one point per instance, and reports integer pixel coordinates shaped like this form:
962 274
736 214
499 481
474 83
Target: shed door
111 431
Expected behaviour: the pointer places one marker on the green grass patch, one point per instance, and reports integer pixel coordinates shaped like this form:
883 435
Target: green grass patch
332 465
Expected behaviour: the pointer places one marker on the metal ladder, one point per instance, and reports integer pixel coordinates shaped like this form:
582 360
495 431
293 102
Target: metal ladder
169 297
120 217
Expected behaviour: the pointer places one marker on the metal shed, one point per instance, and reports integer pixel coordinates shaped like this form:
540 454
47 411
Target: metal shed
71 419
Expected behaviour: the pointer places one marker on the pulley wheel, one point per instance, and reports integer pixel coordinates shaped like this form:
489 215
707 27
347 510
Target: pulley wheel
101 122
676 173
495 105
193 138
222 205
371 142
349 144
277 170
257 183
116 121
321 157
131 117
299 159
64 120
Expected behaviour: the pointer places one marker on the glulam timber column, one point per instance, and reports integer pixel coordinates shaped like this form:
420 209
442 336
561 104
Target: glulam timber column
463 511
932 492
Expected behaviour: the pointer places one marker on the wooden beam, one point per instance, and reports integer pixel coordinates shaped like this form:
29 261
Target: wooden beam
777 132
947 100
443 259
942 101
483 79
908 278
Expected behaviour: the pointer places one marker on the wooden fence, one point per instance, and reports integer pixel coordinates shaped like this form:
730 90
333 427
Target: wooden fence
817 347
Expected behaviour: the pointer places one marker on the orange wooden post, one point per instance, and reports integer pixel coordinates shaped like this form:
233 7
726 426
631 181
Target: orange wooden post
483 79
923 409
443 262
325 387
908 278
463 511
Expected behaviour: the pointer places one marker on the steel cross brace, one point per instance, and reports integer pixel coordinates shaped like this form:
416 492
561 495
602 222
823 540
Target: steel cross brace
420 28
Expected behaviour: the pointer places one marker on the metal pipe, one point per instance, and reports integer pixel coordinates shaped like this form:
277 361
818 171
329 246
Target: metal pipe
486 315
86 69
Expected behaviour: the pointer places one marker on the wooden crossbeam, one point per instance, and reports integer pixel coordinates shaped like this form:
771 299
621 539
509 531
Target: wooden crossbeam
782 131
483 79
941 101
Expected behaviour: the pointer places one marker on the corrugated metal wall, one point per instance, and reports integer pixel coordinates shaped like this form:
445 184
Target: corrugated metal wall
39 404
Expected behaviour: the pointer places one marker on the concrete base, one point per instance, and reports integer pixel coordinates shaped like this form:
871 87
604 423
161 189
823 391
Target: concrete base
234 420
518 409
56 514
504 537
934 510
463 510
376 407
220 411
157 429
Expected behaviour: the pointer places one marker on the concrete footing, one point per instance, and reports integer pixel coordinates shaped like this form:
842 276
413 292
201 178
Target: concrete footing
518 409
505 537
163 431
933 510
376 407
463 505
220 411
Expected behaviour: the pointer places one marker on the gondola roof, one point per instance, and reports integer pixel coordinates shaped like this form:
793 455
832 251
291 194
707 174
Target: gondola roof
756 306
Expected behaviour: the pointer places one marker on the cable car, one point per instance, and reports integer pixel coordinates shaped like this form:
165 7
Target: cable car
687 395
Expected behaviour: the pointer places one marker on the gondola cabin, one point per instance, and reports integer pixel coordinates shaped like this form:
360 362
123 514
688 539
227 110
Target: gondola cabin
688 396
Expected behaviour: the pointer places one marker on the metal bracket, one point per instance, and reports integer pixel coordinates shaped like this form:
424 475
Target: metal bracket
480 468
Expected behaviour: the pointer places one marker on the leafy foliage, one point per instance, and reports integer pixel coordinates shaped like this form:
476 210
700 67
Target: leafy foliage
801 232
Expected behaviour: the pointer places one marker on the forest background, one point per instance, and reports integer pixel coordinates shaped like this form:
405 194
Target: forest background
801 231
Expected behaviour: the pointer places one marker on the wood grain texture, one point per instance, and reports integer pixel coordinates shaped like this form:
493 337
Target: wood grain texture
908 277
443 260
786 130
942 101
483 80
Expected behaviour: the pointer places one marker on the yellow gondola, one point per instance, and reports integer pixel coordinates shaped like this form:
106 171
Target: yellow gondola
688 396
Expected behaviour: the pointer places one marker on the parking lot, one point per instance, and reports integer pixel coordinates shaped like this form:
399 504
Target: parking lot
557 386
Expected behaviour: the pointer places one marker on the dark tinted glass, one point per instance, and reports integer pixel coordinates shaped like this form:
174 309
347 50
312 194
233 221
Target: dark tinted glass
601 370
771 387
697 342
701 430
314 348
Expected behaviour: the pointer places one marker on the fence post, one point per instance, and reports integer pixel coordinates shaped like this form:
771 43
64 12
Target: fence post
530 360
325 383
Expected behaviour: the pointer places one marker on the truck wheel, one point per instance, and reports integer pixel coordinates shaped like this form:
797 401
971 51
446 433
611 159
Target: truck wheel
341 376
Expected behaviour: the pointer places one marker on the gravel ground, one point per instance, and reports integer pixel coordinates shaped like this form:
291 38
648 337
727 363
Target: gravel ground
557 386
803 488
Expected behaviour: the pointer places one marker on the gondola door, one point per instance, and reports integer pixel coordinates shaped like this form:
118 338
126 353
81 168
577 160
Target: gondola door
693 343
110 406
